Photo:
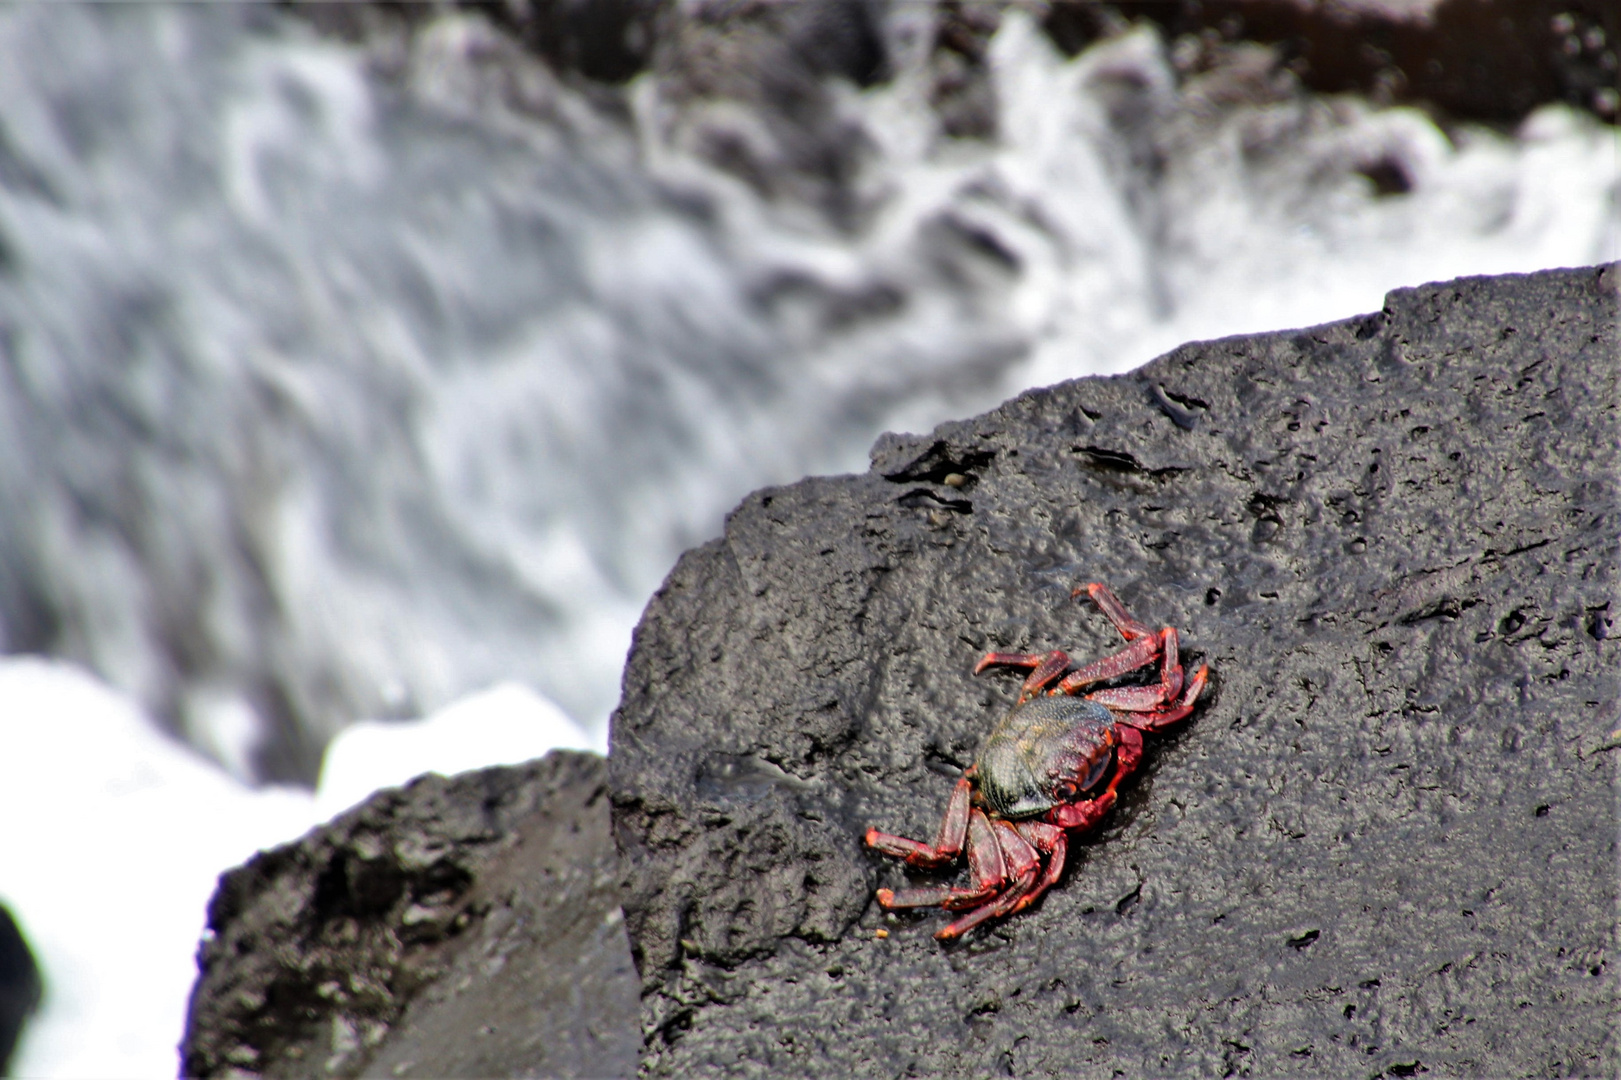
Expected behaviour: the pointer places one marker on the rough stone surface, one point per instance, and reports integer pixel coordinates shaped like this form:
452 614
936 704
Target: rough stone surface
460 927
19 987
1385 843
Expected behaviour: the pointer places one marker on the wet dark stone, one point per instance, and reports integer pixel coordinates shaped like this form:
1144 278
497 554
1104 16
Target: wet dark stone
20 987
605 40
1482 60
460 927
1386 841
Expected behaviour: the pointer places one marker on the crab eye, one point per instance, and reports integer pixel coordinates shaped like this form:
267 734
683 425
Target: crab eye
1065 790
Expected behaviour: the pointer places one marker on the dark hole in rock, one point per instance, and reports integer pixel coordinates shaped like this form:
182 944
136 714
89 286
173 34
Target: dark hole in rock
1388 175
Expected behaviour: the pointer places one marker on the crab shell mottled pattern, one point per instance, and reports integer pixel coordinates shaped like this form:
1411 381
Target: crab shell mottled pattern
1044 752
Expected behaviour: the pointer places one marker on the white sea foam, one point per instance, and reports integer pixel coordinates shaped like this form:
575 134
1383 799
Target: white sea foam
504 725
116 834
114 837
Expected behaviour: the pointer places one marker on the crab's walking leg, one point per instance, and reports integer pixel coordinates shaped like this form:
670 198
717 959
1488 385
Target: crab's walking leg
1016 850
946 846
1114 610
1154 715
985 861
1135 698
986 864
1139 653
1002 905
1170 665
1050 840
1145 645
1047 667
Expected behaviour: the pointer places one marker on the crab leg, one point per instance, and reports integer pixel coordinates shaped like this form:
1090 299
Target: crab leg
1114 610
1170 665
1002 905
947 846
1133 698
1016 850
985 861
1039 834
1048 666
986 865
1155 719
1050 839
1139 653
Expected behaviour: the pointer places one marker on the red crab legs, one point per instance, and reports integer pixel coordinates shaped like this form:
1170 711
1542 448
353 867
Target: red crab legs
1011 810
1145 646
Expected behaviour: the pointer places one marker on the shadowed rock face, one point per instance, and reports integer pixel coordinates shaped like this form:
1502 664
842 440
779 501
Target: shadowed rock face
460 927
1385 841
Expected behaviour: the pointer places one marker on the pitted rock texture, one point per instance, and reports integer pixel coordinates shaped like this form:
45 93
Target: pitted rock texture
454 927
1385 842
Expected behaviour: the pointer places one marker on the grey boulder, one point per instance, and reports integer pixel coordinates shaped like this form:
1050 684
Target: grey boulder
454 927
1385 843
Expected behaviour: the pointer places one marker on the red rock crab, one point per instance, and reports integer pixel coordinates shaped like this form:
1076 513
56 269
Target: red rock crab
1013 808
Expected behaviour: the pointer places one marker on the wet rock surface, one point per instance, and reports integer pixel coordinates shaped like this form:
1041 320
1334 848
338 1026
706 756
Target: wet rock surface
455 927
1384 843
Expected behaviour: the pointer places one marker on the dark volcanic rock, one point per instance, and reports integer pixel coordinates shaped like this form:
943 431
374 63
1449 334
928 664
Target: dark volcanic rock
1484 60
460 927
1386 841
19 987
